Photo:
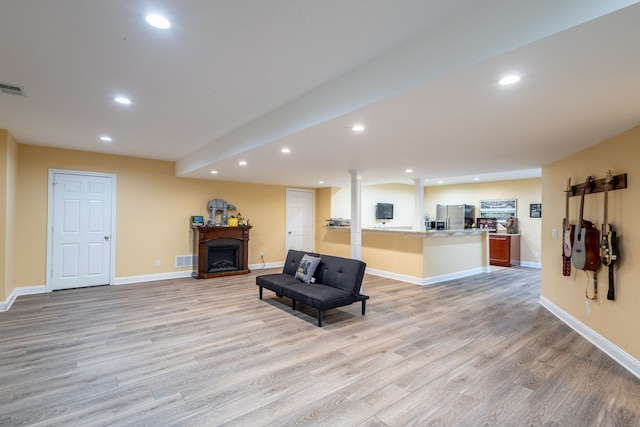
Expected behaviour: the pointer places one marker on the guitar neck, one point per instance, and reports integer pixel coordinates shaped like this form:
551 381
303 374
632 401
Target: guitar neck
566 205
605 224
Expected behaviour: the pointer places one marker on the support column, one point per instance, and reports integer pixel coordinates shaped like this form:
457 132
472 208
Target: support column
356 225
418 215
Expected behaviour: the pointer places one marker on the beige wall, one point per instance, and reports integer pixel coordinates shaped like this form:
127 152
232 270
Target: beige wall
8 178
401 195
616 321
153 210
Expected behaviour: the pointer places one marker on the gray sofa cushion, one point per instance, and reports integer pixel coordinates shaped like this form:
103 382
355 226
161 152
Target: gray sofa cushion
341 273
319 297
276 282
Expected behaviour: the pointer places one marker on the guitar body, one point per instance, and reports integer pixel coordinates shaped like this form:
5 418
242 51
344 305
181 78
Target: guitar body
579 251
568 237
592 247
609 248
609 258
609 245
585 254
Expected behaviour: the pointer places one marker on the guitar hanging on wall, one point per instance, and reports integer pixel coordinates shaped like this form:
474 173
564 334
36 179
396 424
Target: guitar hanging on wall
609 242
567 235
585 250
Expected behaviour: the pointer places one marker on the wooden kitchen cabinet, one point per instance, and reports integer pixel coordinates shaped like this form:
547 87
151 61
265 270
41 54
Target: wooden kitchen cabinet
504 249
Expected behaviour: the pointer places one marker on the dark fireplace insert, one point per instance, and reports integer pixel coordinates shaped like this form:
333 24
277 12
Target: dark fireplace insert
223 255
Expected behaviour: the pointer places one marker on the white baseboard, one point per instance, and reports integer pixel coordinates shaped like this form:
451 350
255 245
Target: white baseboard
616 353
152 277
530 264
427 280
30 290
257 267
27 290
394 276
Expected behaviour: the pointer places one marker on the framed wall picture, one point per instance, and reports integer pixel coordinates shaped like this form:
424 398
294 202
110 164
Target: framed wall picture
500 209
535 210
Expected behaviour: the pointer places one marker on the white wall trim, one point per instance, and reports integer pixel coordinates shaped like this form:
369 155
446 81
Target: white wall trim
616 353
427 280
257 267
32 290
394 276
125 280
529 264
27 290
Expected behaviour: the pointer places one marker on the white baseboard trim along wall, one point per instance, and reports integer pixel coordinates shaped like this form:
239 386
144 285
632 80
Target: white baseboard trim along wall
616 353
427 280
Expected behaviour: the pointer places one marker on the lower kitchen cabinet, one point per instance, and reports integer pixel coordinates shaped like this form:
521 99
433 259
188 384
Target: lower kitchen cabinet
504 249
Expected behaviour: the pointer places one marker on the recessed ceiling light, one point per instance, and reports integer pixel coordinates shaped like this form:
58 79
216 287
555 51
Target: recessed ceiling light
157 21
408 170
242 163
357 128
106 138
440 182
320 182
122 100
476 179
214 172
285 150
509 80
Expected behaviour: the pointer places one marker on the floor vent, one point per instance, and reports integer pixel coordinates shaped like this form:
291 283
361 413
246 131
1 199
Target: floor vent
184 261
12 89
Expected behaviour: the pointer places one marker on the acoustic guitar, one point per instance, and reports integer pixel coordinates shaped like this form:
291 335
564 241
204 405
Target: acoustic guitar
567 235
585 251
609 242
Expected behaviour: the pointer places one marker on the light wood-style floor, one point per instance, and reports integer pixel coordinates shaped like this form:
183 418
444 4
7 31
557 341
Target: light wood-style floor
478 351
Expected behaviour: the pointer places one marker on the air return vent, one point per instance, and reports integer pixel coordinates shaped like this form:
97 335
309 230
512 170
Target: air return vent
184 261
11 89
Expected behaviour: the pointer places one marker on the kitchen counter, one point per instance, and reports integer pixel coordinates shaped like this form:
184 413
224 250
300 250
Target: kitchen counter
420 257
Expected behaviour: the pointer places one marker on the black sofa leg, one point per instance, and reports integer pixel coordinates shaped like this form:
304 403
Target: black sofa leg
293 305
260 292
364 307
320 318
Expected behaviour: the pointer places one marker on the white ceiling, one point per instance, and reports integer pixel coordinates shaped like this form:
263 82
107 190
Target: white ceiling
239 80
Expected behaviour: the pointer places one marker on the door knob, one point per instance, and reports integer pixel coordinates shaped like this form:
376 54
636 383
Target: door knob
106 237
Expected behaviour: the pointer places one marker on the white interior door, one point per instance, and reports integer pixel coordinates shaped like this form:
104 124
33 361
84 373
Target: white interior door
300 219
81 218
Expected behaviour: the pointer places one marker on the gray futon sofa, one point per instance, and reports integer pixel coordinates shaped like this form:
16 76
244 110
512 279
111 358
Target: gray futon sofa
335 281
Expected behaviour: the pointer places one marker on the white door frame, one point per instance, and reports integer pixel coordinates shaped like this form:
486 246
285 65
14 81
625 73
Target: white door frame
313 217
50 258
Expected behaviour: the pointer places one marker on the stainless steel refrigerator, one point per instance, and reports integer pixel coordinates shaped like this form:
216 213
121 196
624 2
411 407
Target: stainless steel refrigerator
455 217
